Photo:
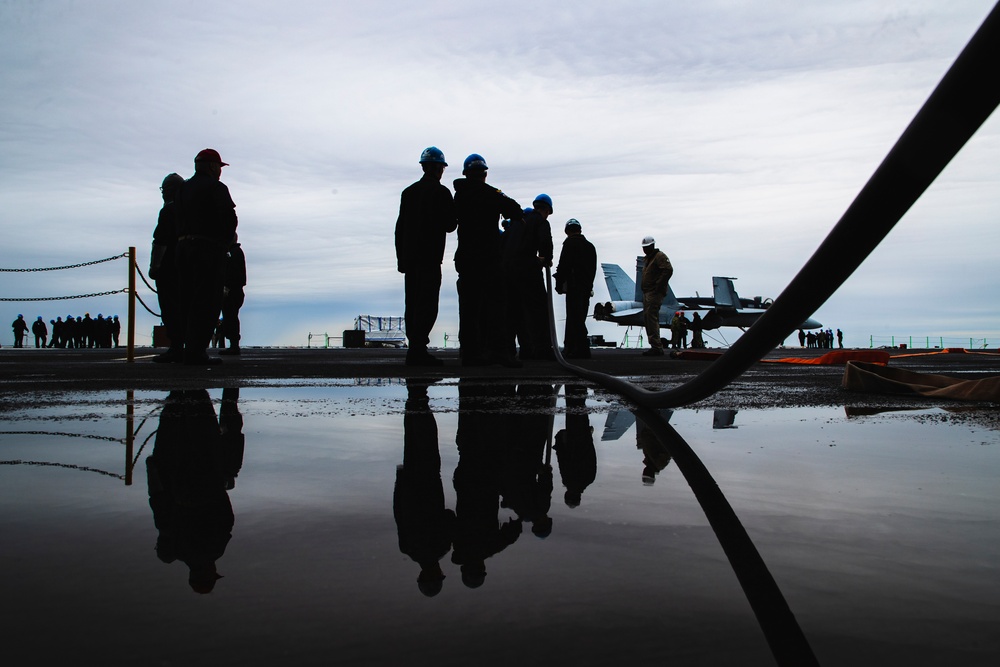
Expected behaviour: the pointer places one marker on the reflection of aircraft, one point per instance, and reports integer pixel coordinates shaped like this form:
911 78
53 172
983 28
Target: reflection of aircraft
725 308
619 421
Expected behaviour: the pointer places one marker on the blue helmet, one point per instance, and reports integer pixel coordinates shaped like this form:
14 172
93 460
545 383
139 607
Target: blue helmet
544 199
474 162
433 154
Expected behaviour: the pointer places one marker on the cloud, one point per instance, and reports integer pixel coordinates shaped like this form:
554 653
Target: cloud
738 133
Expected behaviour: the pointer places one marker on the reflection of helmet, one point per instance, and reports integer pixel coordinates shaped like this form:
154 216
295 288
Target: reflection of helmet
542 527
430 588
432 154
474 574
202 578
474 162
543 199
572 498
648 241
431 579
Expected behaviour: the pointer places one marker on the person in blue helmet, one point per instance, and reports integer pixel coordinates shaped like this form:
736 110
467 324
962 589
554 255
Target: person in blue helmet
426 217
574 277
526 252
20 328
479 208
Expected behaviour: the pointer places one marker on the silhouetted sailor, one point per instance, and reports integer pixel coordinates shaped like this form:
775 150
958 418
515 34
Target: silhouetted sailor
233 296
426 216
527 249
424 525
206 226
574 277
86 331
656 273
478 208
41 332
163 269
20 328
697 341
57 332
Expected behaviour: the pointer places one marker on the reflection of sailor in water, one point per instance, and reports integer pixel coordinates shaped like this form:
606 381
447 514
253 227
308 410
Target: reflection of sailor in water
656 456
478 532
575 451
423 523
193 463
526 482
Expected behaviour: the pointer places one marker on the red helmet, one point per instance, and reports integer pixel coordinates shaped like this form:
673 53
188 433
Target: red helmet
210 155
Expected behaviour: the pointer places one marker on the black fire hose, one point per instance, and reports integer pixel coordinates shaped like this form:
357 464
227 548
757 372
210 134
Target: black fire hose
959 105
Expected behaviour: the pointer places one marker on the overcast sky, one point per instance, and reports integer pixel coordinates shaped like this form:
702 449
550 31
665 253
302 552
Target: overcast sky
736 133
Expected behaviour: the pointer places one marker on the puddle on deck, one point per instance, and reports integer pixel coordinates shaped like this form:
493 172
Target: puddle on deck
857 539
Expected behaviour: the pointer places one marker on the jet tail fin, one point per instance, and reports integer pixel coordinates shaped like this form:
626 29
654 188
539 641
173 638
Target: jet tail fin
725 293
620 286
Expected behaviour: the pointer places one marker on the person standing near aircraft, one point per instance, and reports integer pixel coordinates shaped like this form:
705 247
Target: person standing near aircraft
478 209
426 217
575 278
697 341
656 273
206 227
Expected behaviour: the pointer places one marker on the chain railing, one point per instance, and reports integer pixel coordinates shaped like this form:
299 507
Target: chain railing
130 290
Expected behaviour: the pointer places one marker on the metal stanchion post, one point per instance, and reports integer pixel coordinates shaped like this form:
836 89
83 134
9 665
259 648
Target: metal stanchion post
131 305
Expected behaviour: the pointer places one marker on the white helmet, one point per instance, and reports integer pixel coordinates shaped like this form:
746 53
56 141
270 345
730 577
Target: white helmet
648 241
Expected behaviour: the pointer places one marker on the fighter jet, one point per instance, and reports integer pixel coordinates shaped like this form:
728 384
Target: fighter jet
724 309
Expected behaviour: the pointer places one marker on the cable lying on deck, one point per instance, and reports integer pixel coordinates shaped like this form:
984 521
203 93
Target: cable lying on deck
959 105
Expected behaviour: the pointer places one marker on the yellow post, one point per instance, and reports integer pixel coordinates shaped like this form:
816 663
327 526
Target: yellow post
131 305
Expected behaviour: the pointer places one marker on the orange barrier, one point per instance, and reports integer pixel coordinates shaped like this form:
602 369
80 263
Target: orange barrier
947 350
838 358
883 380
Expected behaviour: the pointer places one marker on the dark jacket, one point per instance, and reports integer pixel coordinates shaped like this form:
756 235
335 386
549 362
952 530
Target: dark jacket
656 272
478 207
236 267
577 266
426 216
206 210
525 241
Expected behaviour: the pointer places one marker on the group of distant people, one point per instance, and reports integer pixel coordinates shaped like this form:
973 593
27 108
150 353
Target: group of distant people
73 332
500 268
821 339
680 327
198 263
